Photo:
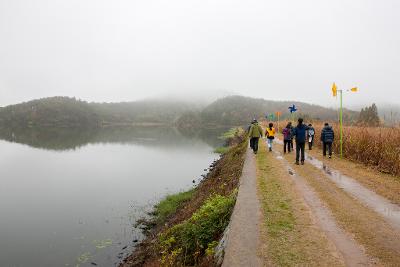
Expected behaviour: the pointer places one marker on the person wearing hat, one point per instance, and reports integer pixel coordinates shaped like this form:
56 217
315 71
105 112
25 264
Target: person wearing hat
255 133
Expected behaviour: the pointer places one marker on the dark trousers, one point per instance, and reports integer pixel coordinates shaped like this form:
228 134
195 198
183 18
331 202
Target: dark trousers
310 144
329 146
300 149
288 144
254 143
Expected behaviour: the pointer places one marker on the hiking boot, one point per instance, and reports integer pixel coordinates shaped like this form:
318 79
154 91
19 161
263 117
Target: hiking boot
297 163
302 163
330 156
270 149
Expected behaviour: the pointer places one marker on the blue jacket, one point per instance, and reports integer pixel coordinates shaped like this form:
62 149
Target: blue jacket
300 132
327 135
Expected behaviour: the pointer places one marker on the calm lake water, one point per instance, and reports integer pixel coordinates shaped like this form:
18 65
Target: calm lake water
70 197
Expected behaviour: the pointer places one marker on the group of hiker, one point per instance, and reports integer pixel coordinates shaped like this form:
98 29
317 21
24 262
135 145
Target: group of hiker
302 134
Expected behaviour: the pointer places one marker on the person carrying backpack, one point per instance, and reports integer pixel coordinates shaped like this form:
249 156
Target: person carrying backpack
300 133
327 138
255 133
270 134
287 138
310 136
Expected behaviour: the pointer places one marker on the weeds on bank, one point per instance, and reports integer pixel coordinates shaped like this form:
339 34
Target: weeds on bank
231 137
231 133
170 204
185 243
221 150
189 235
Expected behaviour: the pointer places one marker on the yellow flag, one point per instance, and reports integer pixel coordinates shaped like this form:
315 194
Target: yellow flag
354 89
334 89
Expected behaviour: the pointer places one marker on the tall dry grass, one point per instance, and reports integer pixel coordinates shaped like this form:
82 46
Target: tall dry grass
377 147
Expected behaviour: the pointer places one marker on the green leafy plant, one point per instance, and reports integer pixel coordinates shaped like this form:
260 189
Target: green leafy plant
186 242
169 204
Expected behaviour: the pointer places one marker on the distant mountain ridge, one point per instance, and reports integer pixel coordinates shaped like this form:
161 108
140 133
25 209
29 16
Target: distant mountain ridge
66 111
239 110
230 110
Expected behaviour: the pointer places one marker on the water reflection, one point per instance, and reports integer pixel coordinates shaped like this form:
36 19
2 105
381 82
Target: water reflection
61 138
78 206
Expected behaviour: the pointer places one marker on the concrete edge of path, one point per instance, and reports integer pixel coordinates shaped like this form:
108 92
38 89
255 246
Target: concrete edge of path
243 237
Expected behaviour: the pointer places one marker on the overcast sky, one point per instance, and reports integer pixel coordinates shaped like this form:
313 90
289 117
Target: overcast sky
119 50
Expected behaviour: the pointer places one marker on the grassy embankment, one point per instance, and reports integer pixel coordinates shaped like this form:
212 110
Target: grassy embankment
290 237
188 225
231 137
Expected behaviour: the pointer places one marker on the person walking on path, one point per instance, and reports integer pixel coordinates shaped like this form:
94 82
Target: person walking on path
255 133
327 138
300 133
287 138
291 129
270 134
310 136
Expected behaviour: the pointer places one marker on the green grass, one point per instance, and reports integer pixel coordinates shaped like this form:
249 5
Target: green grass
231 133
279 219
170 204
185 243
221 149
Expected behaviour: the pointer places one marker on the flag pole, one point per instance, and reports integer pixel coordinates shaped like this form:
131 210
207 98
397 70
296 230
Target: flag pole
341 123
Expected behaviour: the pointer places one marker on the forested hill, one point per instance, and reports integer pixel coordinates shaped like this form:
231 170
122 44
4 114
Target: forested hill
232 110
239 110
65 111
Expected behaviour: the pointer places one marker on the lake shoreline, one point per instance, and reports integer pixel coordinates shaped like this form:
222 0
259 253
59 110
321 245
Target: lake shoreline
222 179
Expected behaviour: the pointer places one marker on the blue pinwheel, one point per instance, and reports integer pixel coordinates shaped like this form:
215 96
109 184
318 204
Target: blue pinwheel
292 109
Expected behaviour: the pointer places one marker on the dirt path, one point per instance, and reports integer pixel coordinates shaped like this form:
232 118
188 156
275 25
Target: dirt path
385 185
243 238
291 235
390 211
384 207
357 211
310 215
351 251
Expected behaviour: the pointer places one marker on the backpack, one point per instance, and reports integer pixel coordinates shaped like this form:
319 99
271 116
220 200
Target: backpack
286 134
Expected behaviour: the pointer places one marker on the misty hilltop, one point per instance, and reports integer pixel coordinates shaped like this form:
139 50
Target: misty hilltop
231 110
239 110
66 111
